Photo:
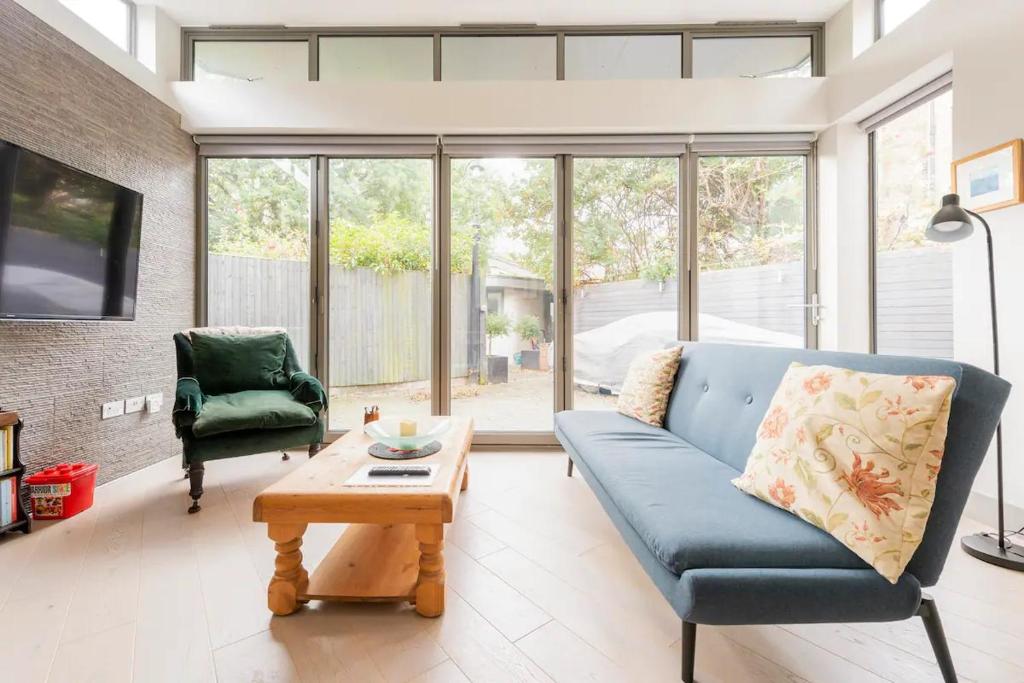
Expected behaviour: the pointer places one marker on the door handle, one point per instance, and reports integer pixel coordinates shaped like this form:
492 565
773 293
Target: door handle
815 307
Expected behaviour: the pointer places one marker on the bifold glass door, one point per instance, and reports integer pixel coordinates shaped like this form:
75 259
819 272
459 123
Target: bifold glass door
379 311
502 255
625 269
258 246
751 246
505 285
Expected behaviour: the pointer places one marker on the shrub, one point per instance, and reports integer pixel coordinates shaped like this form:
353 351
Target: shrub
496 325
528 328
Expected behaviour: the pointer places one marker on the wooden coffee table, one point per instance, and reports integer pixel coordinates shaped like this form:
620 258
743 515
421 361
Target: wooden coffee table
392 548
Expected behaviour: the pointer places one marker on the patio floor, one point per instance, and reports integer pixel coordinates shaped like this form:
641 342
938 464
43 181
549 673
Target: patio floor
524 403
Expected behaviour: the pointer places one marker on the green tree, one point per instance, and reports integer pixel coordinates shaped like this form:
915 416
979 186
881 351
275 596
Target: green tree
625 215
259 207
750 210
625 219
496 325
912 161
529 329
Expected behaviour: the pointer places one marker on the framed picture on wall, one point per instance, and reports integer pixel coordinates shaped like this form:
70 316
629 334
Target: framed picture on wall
990 179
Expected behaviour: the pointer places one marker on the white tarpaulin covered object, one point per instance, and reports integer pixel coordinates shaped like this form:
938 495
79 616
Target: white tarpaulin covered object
602 355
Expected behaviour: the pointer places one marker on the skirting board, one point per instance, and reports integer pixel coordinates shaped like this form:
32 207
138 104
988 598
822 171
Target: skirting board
982 508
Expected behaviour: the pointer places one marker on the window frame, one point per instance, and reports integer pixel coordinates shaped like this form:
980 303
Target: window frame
813 30
817 66
812 306
131 34
918 98
563 149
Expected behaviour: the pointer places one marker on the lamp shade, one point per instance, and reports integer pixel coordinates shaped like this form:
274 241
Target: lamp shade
951 223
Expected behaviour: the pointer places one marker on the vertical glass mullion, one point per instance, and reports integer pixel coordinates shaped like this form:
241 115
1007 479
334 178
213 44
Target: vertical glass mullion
811 249
693 230
687 65
441 370
319 284
202 242
437 60
314 56
563 283
683 310
560 56
872 245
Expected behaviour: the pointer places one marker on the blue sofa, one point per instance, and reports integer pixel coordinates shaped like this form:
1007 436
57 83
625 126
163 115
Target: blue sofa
720 556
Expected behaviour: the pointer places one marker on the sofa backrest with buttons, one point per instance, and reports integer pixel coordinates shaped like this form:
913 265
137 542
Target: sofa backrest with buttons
723 391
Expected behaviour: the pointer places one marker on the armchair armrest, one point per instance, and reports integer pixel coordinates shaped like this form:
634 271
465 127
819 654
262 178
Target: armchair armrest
307 390
188 403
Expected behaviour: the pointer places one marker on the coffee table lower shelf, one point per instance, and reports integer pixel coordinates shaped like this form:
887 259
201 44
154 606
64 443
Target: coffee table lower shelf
369 563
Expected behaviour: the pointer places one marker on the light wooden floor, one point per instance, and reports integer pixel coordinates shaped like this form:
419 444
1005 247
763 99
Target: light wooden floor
539 588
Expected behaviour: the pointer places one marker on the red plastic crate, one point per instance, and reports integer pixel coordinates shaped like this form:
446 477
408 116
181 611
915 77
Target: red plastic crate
63 490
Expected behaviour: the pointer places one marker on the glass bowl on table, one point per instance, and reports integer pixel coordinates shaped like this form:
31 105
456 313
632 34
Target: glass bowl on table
389 432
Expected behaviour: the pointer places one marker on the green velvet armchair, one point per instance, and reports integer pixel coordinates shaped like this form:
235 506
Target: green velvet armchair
242 391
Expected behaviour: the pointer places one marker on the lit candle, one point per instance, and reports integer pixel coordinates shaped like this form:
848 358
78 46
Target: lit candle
407 428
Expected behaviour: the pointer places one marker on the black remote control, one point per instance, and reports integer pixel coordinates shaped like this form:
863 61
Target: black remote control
399 471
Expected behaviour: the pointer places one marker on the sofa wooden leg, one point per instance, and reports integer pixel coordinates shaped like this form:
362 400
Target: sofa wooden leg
314 448
195 477
568 472
929 614
689 643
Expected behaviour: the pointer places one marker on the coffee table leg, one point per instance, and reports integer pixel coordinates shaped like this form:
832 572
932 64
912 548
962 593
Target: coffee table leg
290 578
465 478
430 583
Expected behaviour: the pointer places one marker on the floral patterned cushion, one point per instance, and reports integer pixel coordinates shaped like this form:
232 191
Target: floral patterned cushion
856 454
648 384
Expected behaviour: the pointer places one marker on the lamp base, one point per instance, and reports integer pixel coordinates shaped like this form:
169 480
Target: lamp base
986 548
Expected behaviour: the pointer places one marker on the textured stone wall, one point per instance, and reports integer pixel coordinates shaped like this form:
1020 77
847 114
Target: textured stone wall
60 101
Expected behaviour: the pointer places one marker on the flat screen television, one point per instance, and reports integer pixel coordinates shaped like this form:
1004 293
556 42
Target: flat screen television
69 241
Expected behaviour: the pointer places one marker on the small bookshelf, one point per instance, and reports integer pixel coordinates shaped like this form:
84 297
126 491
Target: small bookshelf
12 470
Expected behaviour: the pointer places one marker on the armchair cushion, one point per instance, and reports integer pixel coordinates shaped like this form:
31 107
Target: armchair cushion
251 409
230 363
307 390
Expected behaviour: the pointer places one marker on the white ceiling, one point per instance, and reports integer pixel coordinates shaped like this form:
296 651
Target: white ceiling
454 12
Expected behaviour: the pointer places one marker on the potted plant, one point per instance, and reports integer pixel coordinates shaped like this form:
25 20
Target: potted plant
496 325
529 330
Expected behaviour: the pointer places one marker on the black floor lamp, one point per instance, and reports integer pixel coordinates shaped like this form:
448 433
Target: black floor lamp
953 223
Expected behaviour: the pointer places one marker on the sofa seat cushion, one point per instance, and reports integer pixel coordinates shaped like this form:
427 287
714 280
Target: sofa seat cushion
251 409
682 504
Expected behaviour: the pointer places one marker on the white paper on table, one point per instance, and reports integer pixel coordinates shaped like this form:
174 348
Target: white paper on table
362 477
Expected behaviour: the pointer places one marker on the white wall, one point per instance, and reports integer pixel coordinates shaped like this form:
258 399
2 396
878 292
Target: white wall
981 43
159 42
68 23
658 106
843 243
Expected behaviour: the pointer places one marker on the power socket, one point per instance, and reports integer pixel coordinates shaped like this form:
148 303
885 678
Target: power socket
134 404
112 409
154 402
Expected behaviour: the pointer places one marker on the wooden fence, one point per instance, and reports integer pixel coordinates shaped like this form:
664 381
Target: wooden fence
380 323
914 302
760 296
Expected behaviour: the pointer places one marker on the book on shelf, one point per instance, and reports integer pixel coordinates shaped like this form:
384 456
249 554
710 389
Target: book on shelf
6 448
8 501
